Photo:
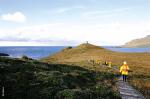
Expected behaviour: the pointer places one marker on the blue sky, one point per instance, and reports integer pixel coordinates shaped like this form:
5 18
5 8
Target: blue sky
71 22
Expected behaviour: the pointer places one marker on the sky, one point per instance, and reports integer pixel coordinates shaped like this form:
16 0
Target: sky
71 22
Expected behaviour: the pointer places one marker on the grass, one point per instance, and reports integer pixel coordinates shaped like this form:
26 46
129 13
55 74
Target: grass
141 82
32 79
138 63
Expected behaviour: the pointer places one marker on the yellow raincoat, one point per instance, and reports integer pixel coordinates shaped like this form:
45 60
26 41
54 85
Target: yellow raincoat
109 64
124 69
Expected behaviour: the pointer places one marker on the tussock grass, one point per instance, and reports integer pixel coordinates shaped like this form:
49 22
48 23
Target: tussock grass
32 79
139 63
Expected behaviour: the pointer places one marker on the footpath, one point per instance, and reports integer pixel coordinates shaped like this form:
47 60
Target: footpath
127 91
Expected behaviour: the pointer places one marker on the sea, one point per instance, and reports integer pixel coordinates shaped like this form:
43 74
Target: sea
38 52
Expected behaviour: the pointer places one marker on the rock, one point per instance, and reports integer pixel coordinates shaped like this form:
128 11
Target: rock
68 48
4 54
24 57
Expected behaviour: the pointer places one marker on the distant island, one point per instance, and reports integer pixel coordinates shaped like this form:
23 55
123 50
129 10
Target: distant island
142 42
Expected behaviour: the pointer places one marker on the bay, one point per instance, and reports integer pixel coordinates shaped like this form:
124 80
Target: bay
37 52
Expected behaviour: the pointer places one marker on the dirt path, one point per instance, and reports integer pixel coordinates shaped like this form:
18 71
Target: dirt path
127 91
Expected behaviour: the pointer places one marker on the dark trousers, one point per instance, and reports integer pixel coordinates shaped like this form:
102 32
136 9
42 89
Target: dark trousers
124 78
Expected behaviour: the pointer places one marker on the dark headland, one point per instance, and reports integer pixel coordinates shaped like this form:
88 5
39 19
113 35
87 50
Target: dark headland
4 54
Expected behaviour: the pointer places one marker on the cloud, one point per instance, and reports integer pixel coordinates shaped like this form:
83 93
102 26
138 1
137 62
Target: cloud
69 9
14 39
44 42
111 33
14 17
62 10
105 13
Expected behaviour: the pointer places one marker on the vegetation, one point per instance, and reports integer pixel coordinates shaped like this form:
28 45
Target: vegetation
141 82
31 79
24 57
138 63
70 47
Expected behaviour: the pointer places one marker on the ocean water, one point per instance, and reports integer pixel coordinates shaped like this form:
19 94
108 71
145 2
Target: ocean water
35 52
38 52
120 49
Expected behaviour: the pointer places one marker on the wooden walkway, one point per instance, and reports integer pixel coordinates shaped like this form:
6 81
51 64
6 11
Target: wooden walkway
127 91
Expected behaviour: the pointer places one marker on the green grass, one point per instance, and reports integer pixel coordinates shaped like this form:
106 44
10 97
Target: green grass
31 79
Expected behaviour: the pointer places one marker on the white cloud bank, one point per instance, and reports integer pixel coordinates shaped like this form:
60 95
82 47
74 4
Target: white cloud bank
14 17
113 33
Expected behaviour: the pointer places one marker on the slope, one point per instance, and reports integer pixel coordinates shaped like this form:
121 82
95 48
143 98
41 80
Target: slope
81 55
31 79
142 42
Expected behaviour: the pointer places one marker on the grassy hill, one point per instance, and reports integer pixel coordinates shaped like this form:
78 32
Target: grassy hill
77 54
138 62
31 79
85 52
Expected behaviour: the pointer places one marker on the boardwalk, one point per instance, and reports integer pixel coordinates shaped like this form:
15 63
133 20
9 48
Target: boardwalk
127 91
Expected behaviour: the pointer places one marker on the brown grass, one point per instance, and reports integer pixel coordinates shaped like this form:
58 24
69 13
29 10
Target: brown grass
139 63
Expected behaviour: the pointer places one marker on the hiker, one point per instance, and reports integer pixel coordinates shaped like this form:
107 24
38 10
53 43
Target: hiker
98 62
124 70
92 61
106 63
109 64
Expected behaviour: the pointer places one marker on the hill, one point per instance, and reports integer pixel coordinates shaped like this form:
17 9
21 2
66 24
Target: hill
142 42
85 52
81 55
31 79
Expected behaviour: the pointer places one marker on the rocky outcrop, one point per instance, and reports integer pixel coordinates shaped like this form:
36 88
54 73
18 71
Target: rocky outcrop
4 54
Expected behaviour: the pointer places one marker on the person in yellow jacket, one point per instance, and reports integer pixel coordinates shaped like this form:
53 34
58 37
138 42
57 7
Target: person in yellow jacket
124 69
109 64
